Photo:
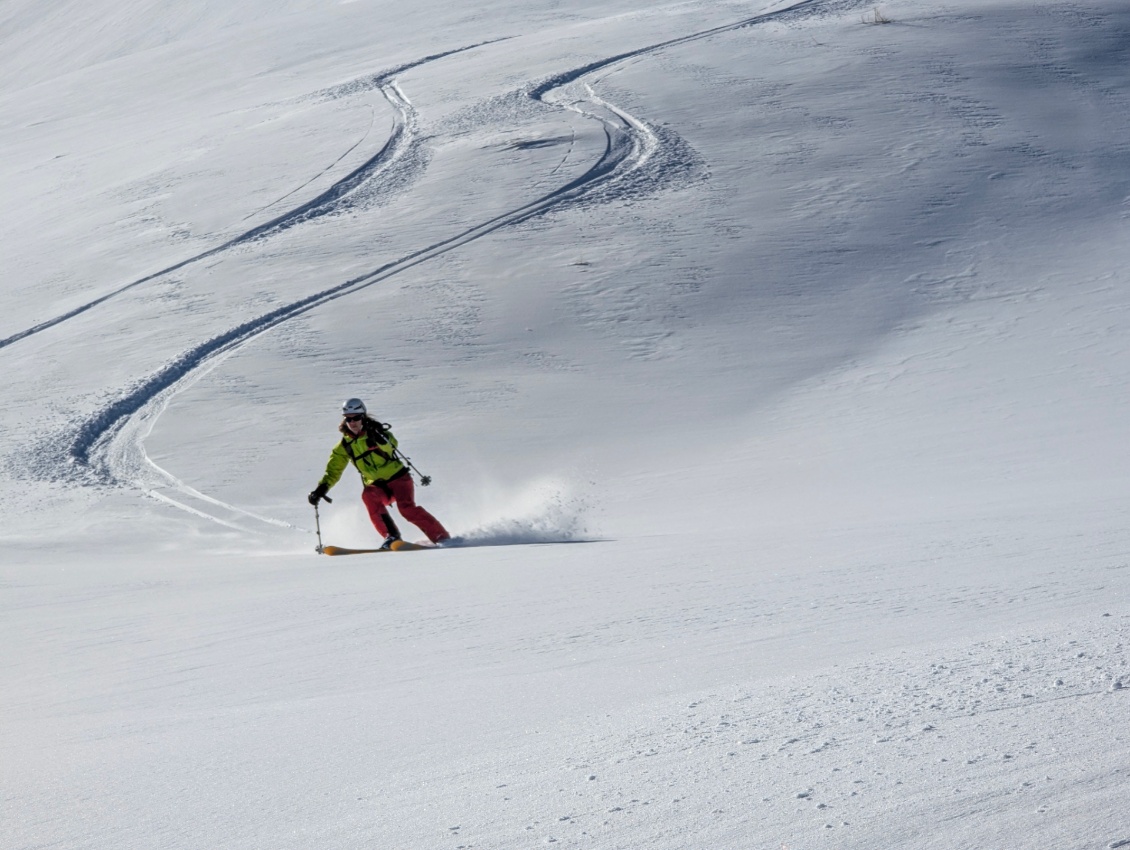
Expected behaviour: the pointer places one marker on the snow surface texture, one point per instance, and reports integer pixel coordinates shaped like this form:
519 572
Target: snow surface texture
804 325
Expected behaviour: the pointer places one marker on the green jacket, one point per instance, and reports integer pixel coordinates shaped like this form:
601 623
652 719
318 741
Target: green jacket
371 453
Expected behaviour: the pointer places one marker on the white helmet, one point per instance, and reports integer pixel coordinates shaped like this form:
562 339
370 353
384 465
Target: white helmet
353 407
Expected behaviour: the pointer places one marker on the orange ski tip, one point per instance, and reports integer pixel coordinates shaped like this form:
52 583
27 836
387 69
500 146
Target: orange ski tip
405 546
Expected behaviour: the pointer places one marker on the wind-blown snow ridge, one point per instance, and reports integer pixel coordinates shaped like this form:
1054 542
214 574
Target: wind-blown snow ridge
394 152
636 158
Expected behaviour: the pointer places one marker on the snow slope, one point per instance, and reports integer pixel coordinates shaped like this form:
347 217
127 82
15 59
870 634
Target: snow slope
770 359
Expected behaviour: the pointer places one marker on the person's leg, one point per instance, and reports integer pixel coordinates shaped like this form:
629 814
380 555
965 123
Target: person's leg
404 493
377 501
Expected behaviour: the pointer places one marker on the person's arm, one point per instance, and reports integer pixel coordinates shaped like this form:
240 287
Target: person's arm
339 459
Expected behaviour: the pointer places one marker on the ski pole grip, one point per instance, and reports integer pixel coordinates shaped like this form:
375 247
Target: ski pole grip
328 499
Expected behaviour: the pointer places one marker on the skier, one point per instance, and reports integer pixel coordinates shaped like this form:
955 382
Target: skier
371 447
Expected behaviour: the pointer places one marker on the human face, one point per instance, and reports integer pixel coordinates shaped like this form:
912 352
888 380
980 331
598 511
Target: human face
355 423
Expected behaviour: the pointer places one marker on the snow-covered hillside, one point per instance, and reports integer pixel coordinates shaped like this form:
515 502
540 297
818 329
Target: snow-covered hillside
770 361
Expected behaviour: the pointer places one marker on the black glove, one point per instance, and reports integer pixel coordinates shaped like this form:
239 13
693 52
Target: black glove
317 494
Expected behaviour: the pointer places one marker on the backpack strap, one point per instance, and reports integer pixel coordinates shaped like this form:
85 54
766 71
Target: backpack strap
376 432
347 444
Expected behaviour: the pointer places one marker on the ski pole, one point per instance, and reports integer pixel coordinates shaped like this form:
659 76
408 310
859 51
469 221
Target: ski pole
318 524
425 480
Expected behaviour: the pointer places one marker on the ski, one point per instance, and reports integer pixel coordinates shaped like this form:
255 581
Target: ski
397 546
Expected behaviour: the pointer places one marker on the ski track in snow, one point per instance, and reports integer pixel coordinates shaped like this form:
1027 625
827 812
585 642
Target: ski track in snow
639 159
337 199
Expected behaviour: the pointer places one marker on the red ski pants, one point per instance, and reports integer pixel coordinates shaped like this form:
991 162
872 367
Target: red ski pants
377 498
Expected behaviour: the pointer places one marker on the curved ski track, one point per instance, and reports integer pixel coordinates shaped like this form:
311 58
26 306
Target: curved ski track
335 199
637 158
